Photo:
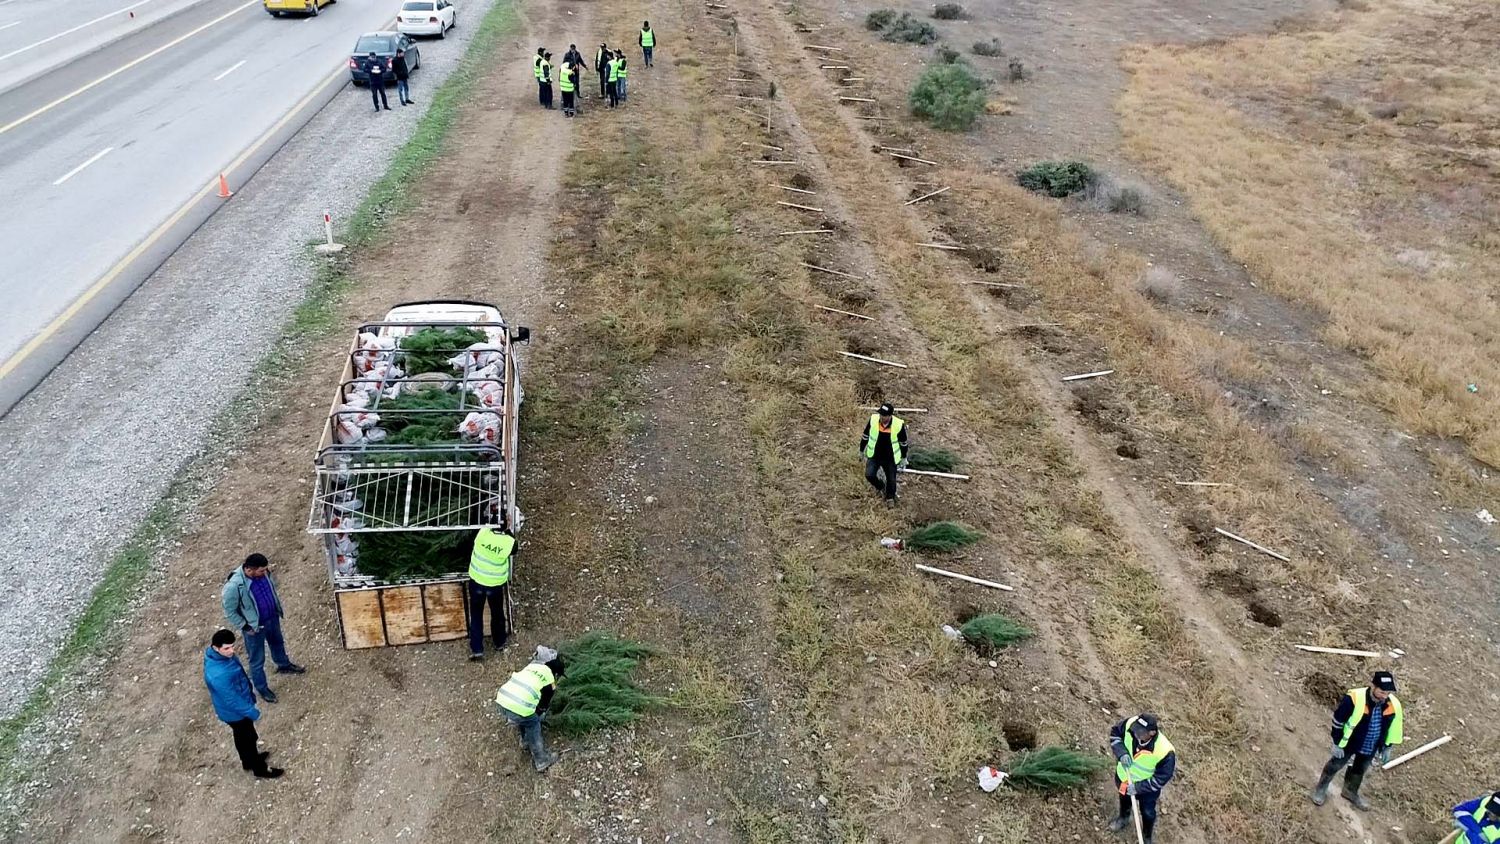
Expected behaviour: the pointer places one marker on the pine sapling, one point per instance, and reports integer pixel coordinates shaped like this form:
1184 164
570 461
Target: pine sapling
990 631
932 459
941 538
596 689
1053 769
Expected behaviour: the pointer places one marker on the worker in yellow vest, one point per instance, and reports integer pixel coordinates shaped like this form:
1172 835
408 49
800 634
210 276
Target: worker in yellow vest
613 66
489 583
1145 762
536 70
883 443
1367 722
524 699
648 42
566 85
1478 820
546 80
620 75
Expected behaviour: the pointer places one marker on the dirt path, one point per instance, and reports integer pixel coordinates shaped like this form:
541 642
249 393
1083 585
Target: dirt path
369 761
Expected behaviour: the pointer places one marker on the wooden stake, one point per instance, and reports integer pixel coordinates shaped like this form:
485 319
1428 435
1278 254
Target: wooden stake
874 360
897 149
845 313
763 146
858 100
799 207
926 195
832 272
755 114
1435 743
865 117
907 157
1340 651
1199 483
956 576
996 284
933 474
1451 837
806 231
1261 548
942 246
1135 811
1088 375
740 97
821 47
739 79
775 162
795 190
1032 325
835 67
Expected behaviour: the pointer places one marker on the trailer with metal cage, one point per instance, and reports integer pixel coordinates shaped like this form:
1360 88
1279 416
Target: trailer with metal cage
418 453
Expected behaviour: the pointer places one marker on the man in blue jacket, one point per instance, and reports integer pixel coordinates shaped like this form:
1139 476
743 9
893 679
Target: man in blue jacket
252 607
1479 820
234 702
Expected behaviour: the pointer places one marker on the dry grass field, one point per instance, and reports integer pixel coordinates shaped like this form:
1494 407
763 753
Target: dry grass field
1350 167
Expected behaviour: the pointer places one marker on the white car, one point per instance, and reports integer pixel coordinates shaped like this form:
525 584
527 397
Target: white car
426 17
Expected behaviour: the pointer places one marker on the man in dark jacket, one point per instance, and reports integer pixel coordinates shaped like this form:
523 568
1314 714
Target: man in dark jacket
546 80
647 42
1367 721
252 607
575 58
398 67
234 702
1145 762
375 69
601 66
883 443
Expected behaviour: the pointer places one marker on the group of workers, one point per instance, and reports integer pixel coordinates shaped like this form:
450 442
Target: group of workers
1367 723
609 63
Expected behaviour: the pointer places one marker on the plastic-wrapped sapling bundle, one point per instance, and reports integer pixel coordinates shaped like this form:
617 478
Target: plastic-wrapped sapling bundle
481 428
478 356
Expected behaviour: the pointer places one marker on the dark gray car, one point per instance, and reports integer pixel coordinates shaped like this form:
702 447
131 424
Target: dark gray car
384 45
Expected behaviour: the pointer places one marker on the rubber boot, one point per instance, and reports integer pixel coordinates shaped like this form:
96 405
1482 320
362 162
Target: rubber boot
1119 823
1148 825
1352 782
546 761
1320 791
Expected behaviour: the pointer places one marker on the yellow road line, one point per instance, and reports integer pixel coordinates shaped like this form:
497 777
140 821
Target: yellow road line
114 272
119 70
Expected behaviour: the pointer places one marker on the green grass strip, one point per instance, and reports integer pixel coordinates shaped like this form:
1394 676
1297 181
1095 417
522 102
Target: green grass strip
125 575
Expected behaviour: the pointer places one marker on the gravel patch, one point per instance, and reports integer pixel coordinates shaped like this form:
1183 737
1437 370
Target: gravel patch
96 444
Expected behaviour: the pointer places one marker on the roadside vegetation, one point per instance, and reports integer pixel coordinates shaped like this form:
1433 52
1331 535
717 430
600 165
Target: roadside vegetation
949 96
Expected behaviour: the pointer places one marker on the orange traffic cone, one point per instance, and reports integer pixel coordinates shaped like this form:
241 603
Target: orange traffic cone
224 191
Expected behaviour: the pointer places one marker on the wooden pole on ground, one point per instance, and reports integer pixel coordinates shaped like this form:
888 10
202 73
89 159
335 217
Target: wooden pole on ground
806 231
956 576
775 162
995 284
873 360
832 272
926 195
1405 757
1200 483
794 190
1261 548
821 47
1032 325
942 246
799 207
845 313
1340 651
856 100
907 157
1098 374
933 474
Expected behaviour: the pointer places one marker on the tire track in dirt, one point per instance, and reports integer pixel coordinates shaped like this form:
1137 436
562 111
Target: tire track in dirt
1270 697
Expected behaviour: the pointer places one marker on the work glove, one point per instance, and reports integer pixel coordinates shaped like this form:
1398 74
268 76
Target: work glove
1132 789
1385 755
904 461
1338 752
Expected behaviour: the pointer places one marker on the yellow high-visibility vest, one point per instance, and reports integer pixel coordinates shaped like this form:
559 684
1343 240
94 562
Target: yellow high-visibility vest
522 693
489 565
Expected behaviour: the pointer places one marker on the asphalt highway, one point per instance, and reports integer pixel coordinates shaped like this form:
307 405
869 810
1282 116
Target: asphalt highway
108 162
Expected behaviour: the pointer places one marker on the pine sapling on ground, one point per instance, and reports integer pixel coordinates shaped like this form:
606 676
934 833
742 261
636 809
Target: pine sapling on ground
596 689
990 631
1053 769
940 538
932 459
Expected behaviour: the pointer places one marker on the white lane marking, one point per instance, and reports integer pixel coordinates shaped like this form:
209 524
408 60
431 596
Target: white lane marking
11 24
76 170
128 65
229 71
73 30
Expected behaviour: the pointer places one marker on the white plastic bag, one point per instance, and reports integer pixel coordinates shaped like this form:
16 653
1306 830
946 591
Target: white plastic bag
990 778
481 427
478 356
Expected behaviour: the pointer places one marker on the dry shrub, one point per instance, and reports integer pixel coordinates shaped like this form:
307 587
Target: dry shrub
1117 196
989 49
1160 285
949 12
